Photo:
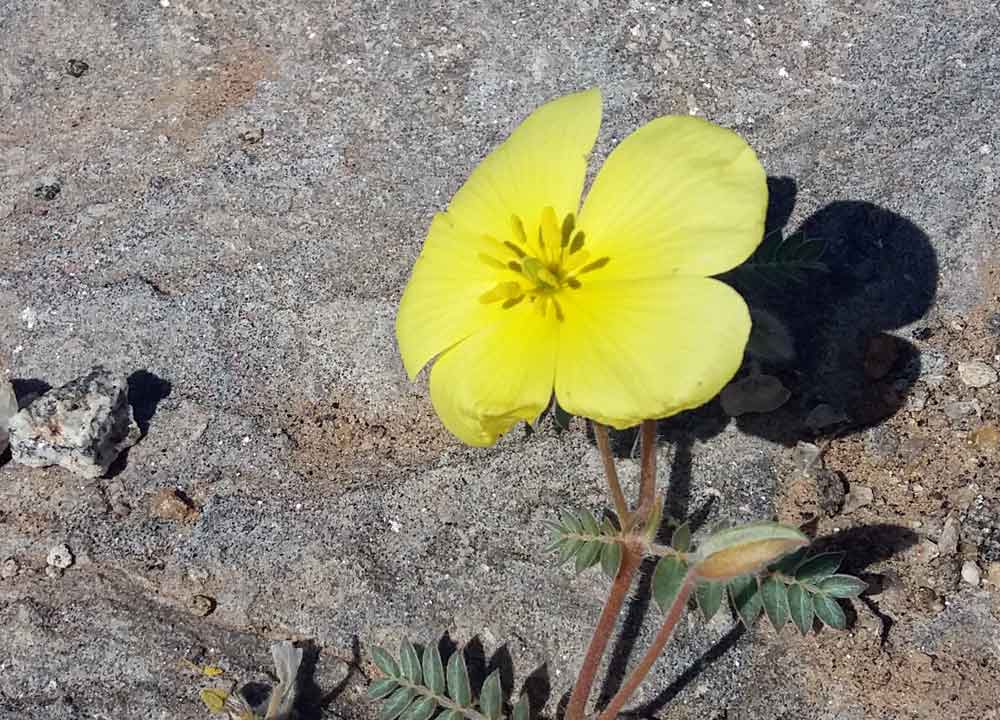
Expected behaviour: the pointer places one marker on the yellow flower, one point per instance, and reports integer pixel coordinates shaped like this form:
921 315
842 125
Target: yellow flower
519 292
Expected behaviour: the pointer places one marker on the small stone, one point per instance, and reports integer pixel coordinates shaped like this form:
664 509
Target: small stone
47 192
252 137
928 599
916 400
76 68
927 551
976 373
993 574
858 497
970 573
948 541
881 354
52 572
961 409
824 416
81 426
8 409
831 491
201 605
806 457
60 557
9 569
169 504
985 439
754 394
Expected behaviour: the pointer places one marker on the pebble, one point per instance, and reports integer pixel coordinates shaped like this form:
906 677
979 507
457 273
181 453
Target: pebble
948 541
976 373
201 605
824 416
9 569
169 504
754 394
857 497
985 439
928 599
970 573
252 137
81 426
961 409
806 456
76 68
47 192
60 557
53 572
916 400
993 574
830 491
8 409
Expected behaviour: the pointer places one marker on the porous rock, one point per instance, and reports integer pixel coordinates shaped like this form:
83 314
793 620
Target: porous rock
8 409
81 426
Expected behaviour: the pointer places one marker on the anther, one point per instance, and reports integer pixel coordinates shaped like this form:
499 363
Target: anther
518 227
515 249
508 304
514 265
596 265
577 243
567 230
492 261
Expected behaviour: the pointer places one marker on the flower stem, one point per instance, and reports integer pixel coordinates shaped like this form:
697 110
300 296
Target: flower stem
631 557
647 481
603 444
649 659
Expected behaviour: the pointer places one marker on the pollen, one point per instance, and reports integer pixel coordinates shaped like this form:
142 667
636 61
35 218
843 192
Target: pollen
539 263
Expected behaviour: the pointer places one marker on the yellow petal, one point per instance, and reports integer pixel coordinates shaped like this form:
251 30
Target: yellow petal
488 382
630 351
440 305
543 163
679 195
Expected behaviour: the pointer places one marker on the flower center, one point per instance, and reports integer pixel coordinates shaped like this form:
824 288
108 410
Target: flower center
540 269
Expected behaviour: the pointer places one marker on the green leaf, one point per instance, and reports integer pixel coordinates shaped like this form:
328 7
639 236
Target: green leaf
214 699
382 688
459 688
561 417
829 611
681 539
745 549
590 526
396 704
569 523
433 669
611 558
800 607
451 715
522 711
787 564
667 580
409 662
775 599
782 261
709 597
491 699
568 548
422 709
843 586
384 662
818 567
744 592
588 555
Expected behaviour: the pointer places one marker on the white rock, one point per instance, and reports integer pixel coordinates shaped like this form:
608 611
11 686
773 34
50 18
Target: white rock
8 409
948 542
60 557
970 573
976 373
857 497
81 426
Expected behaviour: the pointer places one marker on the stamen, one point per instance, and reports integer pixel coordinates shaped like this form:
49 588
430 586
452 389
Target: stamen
577 243
514 265
596 265
503 291
518 227
492 261
573 283
508 304
539 274
567 229
515 249
559 313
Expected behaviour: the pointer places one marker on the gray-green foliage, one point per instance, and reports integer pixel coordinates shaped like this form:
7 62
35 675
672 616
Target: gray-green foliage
418 686
580 537
780 262
800 588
